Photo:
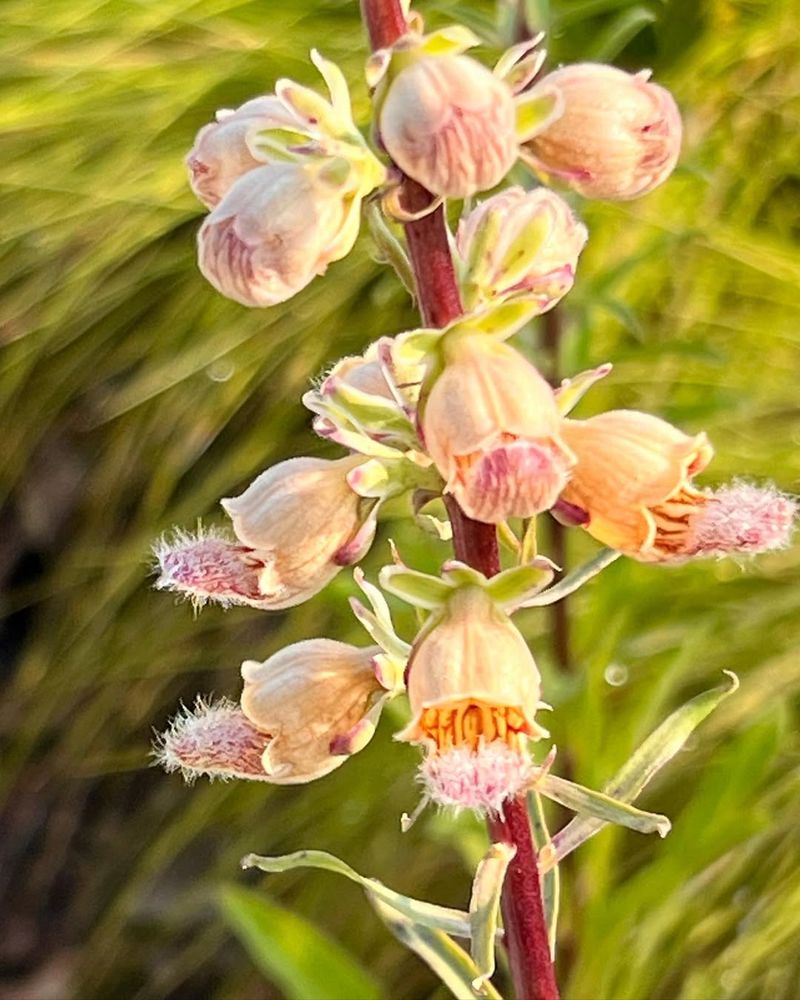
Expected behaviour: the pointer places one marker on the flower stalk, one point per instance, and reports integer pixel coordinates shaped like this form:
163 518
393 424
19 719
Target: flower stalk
475 543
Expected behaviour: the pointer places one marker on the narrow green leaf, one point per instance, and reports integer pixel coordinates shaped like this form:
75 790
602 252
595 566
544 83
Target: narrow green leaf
572 581
659 748
608 44
484 908
591 803
550 879
300 958
440 953
427 914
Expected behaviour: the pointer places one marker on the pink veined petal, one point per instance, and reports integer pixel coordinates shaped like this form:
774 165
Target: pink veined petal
215 740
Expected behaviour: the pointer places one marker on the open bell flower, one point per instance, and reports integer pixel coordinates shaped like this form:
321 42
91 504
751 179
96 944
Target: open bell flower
276 229
303 712
633 477
491 426
296 526
449 124
474 690
520 243
618 136
221 152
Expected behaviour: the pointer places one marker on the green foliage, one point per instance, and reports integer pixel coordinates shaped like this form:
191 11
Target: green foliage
133 397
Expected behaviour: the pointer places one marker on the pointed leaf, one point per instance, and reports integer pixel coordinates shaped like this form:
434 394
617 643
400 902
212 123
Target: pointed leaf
572 390
442 918
300 958
550 879
659 748
589 802
484 908
439 952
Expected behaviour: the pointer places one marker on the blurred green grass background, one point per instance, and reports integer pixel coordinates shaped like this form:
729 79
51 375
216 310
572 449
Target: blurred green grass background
133 397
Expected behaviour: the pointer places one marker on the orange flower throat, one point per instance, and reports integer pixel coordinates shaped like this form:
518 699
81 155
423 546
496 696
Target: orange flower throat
467 723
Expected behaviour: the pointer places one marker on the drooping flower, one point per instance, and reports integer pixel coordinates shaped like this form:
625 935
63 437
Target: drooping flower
491 425
319 701
221 152
618 135
521 243
305 522
633 478
276 229
449 123
474 689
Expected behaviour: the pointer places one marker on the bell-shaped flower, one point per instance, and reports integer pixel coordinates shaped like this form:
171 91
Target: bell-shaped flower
296 526
221 152
277 228
319 701
519 243
633 478
449 124
474 690
491 426
618 135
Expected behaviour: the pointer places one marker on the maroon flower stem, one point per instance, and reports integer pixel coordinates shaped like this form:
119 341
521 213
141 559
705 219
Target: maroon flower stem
475 543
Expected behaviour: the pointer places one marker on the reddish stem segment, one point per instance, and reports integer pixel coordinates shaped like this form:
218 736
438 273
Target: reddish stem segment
475 543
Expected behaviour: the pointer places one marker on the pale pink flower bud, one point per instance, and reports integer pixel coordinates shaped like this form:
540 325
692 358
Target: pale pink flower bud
221 153
276 229
304 523
618 137
448 123
740 518
319 701
209 566
359 373
474 689
522 243
491 426
633 480
216 740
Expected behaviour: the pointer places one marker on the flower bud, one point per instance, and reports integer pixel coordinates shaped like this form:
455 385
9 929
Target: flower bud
319 701
474 690
633 479
618 137
278 227
491 426
448 123
523 243
304 523
221 154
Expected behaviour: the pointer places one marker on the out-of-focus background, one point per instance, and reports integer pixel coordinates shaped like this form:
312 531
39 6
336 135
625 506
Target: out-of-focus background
133 397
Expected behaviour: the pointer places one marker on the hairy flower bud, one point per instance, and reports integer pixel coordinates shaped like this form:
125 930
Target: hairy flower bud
304 523
474 690
633 479
318 701
448 123
523 243
221 153
491 426
618 137
278 227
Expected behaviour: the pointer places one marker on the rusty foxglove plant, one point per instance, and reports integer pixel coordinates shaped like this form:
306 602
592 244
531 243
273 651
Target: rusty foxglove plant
454 417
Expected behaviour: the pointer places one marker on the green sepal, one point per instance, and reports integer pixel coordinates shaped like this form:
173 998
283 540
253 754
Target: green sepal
572 390
511 588
418 589
536 110
377 619
450 41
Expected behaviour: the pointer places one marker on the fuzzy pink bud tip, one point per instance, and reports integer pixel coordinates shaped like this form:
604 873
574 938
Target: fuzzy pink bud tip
215 740
479 779
208 567
742 518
